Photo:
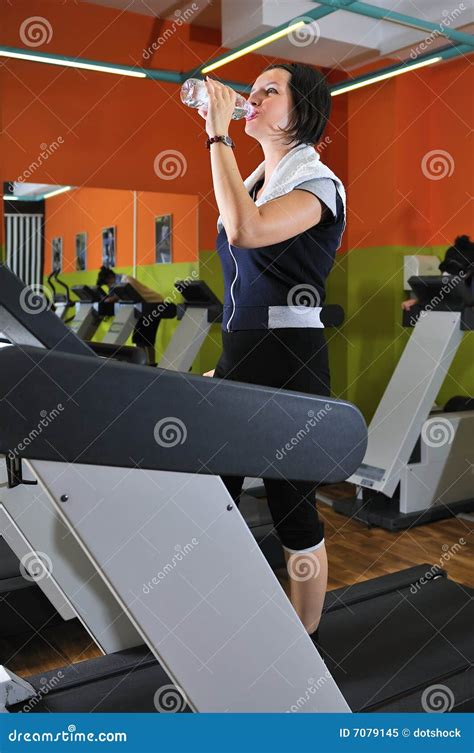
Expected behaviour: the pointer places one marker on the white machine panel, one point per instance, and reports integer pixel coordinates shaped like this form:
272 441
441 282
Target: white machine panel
419 266
407 400
31 525
181 560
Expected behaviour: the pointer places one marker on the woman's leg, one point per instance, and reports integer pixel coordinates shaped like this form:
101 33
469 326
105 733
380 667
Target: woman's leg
308 574
293 509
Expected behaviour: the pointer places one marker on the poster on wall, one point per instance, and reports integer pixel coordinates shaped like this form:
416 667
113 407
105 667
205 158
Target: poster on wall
81 249
108 247
163 239
57 245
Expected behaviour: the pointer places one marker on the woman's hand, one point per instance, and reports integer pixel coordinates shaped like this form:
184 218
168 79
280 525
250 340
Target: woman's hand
406 305
209 373
220 107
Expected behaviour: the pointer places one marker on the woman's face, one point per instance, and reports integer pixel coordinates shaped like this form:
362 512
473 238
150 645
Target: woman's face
272 100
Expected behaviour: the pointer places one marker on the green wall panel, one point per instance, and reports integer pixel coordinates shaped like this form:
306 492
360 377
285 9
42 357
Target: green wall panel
367 282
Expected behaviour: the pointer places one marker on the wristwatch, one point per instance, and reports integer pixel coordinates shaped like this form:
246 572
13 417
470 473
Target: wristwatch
225 140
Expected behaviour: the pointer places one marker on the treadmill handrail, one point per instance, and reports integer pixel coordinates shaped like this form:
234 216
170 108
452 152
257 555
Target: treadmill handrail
119 415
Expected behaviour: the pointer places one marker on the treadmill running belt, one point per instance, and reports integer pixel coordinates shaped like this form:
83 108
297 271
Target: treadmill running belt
401 642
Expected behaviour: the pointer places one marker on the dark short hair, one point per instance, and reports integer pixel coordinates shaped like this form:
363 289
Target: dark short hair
459 257
311 103
104 274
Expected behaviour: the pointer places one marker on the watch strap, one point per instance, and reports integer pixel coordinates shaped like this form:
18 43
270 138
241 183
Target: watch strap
225 140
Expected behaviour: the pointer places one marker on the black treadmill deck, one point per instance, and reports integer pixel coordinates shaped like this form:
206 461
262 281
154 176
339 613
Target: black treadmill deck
385 641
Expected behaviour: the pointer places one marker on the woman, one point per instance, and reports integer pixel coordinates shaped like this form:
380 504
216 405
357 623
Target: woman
278 236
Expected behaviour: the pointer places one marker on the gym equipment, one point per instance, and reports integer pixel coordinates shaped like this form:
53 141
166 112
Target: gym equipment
360 632
418 466
62 304
188 507
200 309
90 310
25 325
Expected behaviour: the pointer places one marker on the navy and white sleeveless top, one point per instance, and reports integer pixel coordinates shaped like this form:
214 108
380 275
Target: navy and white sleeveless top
265 287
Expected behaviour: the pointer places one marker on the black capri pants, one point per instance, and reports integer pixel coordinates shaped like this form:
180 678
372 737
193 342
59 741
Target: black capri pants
291 359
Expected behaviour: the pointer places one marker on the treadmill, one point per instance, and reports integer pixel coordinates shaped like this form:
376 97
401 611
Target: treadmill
360 632
200 594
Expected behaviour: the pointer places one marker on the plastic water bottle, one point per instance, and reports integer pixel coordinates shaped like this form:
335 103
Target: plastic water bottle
194 94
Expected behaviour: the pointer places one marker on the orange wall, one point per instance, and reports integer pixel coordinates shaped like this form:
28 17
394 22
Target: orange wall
90 210
113 129
392 127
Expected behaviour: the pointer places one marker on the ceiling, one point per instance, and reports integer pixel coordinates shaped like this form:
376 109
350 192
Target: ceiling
342 40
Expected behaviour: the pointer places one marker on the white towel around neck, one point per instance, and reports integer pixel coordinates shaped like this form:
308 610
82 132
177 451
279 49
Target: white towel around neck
298 165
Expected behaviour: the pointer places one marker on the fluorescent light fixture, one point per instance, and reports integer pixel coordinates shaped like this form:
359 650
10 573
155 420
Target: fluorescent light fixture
56 192
10 198
119 70
374 79
254 46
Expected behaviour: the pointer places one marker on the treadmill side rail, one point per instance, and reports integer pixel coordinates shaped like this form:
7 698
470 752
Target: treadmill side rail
407 400
181 561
